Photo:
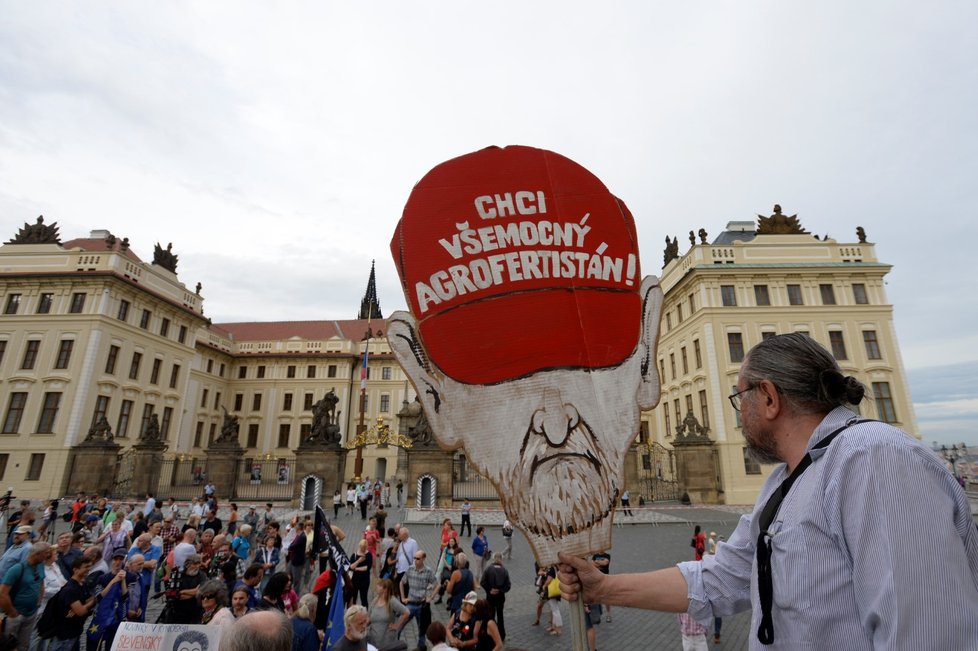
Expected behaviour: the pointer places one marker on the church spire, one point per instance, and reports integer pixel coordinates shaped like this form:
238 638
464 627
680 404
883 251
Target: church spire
370 306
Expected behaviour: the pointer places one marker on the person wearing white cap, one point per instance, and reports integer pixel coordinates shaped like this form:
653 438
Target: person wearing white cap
18 551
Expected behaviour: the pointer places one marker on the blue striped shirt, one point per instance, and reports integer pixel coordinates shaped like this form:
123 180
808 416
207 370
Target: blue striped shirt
874 548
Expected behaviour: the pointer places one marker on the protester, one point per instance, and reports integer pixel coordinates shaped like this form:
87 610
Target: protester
480 549
239 601
460 583
495 583
20 593
417 591
488 637
464 625
356 621
437 635
267 630
863 499
75 603
213 599
113 602
387 615
271 596
17 552
305 637
361 564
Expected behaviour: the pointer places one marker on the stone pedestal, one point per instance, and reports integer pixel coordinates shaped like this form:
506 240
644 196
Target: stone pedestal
696 470
327 461
433 462
93 467
147 464
222 466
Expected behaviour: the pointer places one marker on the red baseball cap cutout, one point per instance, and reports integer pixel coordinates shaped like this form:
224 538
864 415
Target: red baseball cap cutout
515 260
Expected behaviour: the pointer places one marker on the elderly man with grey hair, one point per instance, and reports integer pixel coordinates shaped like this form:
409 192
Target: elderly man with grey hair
21 589
495 582
151 557
861 533
264 630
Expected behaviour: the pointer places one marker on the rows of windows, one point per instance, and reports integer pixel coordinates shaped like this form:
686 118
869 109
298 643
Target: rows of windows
307 404
837 344
762 295
45 303
34 467
210 367
145 320
292 371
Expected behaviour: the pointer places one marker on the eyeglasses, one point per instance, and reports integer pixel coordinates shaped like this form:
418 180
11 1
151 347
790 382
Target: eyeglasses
735 398
207 596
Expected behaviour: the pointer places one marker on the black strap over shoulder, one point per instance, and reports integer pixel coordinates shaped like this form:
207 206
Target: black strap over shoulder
765 583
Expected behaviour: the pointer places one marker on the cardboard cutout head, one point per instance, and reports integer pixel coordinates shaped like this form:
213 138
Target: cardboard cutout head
532 336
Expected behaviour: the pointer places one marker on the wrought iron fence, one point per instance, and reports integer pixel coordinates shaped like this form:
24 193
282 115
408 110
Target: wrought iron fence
468 484
658 474
183 479
265 479
124 466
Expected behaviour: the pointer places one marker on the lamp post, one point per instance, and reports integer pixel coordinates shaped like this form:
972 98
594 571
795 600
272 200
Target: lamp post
362 426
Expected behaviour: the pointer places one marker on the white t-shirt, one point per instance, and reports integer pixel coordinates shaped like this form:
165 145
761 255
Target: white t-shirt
181 553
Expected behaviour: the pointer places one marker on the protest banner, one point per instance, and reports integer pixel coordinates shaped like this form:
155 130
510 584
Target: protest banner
137 636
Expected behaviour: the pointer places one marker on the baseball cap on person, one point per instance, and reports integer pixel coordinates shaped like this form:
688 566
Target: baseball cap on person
22 529
471 598
119 552
252 507
92 518
515 260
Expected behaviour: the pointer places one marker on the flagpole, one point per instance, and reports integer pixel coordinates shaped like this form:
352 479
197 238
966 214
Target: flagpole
362 427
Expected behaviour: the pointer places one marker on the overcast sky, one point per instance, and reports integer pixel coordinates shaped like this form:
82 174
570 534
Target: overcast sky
274 144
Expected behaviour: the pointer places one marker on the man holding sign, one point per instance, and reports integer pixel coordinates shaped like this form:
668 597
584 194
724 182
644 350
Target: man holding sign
532 335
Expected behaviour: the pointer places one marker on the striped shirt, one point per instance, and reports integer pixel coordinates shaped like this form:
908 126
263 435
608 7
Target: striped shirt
874 547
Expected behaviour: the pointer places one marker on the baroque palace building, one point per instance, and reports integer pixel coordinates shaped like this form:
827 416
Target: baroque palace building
90 334
755 280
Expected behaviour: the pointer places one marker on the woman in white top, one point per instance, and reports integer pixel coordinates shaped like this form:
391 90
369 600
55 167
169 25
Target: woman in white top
213 598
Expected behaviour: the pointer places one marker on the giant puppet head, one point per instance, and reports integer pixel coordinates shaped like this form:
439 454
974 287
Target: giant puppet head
532 335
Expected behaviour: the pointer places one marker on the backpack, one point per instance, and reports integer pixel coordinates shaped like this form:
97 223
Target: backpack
47 624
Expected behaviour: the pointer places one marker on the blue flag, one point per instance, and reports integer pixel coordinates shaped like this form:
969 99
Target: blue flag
335 628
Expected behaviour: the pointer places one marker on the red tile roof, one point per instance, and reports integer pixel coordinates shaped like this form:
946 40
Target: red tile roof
97 245
353 329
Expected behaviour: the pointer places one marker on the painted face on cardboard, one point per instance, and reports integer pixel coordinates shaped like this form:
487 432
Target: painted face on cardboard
553 443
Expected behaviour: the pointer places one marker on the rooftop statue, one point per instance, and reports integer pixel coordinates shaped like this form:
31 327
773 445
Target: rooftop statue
166 259
779 224
37 233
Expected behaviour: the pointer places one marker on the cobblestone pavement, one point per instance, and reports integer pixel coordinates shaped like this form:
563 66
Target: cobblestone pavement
653 538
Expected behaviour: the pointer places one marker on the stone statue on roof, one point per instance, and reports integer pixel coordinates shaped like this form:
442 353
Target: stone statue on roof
165 258
861 234
37 233
779 224
672 250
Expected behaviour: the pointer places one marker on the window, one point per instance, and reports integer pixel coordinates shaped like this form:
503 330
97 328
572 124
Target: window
287 402
735 342
165 422
101 407
385 403
305 431
828 294
884 402
689 404
692 303
767 334
203 398
704 410
697 354
147 415
385 373
761 296
125 412
256 402
307 402
44 304
331 370
672 364
242 372
751 467
123 313
253 435
182 336
174 376
15 411
34 469
222 371
164 327
3 349
859 294
13 304
77 303
30 354
311 371
668 424
154 374
49 412
137 358
64 353
290 371
838 344
283 435
198 433
366 400
3 464
679 312
668 321
238 401
794 295
728 296
211 432
217 400
679 415
682 355
144 319
662 369
872 345
260 373
111 360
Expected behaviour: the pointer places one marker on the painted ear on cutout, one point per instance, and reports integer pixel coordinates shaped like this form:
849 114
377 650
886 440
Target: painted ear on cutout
402 335
650 385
